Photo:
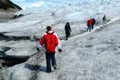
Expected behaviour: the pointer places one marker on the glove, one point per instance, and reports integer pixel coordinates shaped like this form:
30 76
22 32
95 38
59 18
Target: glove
38 49
60 50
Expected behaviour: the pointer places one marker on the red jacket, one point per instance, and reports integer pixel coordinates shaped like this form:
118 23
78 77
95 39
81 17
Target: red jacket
90 22
50 40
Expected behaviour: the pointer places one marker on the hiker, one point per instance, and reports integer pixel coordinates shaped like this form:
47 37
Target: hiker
89 24
104 19
94 21
67 30
50 41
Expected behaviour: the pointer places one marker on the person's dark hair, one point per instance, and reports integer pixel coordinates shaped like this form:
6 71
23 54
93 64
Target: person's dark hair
67 23
49 28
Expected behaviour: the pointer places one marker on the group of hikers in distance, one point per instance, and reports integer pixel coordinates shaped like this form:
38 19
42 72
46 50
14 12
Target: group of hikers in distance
90 24
51 42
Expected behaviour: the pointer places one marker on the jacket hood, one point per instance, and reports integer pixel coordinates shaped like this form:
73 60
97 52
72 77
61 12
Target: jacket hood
50 32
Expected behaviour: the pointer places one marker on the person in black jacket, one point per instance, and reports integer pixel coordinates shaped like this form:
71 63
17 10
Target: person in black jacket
104 19
67 30
94 21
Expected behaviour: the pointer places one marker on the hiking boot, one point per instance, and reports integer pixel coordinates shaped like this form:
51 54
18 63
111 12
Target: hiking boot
55 67
48 71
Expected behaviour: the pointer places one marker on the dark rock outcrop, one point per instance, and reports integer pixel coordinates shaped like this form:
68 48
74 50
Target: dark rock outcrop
7 10
7 5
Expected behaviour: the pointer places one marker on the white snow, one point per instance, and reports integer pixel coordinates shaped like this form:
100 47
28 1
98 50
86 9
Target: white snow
85 55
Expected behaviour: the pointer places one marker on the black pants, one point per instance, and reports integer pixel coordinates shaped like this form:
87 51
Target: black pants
50 59
67 34
92 26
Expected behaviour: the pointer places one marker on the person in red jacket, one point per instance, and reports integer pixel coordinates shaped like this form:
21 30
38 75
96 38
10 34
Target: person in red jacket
50 41
90 24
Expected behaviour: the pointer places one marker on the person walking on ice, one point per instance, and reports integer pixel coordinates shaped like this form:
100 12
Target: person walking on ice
67 30
104 19
89 24
51 41
94 21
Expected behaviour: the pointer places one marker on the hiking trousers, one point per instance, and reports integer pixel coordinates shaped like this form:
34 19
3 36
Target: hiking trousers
50 60
89 28
67 34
